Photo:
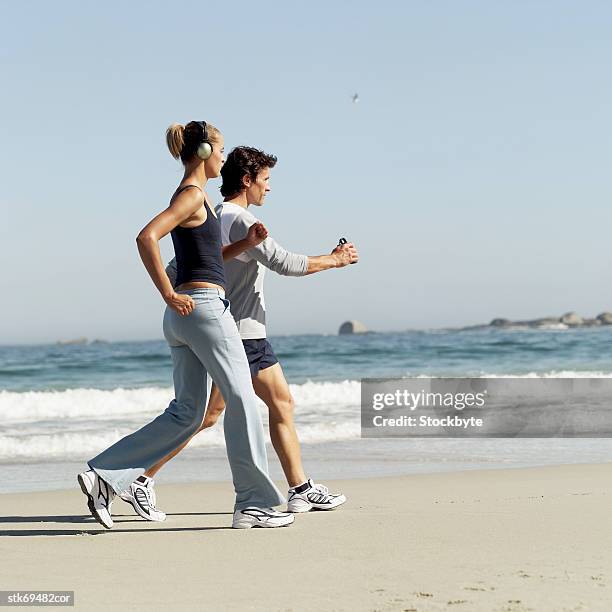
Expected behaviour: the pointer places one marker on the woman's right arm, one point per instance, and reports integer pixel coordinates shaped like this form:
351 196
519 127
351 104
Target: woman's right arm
180 209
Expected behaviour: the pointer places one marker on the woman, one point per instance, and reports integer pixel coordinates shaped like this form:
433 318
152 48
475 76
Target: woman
203 340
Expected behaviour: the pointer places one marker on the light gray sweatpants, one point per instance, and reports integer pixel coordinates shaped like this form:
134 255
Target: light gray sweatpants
206 342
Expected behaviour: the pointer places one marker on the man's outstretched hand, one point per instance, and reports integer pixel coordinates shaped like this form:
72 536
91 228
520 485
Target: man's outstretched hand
345 254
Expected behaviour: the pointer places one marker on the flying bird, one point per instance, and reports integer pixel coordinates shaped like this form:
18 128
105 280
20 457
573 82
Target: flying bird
355 98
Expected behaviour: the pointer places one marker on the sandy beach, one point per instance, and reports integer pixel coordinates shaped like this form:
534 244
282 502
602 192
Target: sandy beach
507 540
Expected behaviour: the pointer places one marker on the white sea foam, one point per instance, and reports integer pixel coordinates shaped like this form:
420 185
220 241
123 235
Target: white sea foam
82 422
34 406
81 403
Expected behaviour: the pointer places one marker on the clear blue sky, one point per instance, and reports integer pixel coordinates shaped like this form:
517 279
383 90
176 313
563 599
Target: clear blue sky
473 175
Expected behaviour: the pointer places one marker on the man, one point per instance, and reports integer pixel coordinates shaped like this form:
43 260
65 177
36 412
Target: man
246 181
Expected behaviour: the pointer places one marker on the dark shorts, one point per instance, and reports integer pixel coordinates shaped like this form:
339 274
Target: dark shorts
260 355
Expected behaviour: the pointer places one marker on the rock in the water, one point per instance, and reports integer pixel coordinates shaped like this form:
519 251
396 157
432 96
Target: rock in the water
605 318
352 327
569 319
572 319
500 323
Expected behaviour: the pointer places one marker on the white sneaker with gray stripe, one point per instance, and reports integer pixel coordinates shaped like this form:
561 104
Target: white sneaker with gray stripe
309 496
261 517
99 497
141 494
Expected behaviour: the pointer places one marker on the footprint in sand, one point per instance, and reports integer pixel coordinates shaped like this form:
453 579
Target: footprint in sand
478 588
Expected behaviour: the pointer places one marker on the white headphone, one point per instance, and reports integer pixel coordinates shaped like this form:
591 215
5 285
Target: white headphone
205 149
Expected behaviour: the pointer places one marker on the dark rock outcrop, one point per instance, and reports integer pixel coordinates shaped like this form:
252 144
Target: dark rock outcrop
572 319
352 327
568 320
605 318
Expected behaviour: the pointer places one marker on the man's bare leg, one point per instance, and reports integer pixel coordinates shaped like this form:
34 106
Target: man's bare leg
270 385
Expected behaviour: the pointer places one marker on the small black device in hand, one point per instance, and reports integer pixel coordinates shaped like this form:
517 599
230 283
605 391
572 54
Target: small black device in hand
344 241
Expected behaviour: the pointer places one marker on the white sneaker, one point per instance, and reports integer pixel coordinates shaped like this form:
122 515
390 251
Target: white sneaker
311 495
100 497
260 517
141 495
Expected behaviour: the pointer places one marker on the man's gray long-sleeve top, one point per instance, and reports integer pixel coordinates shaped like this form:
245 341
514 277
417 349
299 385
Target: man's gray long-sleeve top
244 274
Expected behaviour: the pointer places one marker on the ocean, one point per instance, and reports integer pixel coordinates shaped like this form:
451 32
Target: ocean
62 404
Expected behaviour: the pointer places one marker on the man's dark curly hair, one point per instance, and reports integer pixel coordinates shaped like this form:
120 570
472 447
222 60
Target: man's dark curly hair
241 162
